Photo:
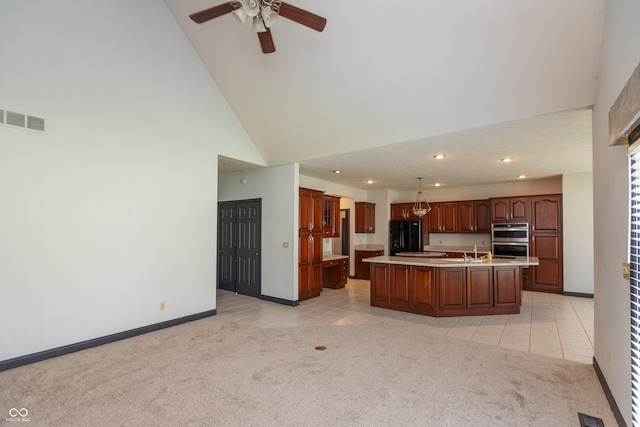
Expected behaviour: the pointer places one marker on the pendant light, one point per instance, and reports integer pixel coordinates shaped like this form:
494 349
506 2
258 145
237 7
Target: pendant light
421 206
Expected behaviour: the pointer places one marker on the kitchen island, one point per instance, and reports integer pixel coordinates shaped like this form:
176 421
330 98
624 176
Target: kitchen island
443 287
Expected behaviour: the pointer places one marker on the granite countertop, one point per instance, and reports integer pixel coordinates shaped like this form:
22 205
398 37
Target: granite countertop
445 248
452 262
331 257
369 247
422 254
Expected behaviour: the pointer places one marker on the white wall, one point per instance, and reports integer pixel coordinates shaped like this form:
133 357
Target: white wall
577 200
620 54
113 209
278 189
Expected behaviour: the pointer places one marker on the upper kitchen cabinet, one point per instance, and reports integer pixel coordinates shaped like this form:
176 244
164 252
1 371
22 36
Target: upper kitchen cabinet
510 209
546 213
474 216
443 217
365 217
310 209
331 221
403 211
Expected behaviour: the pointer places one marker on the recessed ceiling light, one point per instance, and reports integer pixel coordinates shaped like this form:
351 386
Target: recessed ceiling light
370 181
522 176
437 184
337 171
506 160
439 156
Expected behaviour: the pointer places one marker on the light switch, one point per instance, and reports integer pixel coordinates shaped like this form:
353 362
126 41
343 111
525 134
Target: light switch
626 270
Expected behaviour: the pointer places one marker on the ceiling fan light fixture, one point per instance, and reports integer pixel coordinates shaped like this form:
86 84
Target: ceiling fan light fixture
258 25
241 15
269 16
251 7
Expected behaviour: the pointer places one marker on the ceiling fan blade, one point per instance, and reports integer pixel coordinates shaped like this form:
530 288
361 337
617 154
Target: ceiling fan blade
266 42
212 12
302 17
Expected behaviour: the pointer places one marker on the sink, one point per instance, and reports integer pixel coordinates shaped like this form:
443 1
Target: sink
452 259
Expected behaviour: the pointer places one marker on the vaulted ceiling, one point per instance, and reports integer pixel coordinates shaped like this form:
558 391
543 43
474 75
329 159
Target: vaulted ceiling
387 85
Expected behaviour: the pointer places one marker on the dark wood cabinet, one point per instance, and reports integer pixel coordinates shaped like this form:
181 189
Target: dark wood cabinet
363 268
506 286
510 209
423 296
474 216
365 217
482 210
546 214
310 243
435 218
380 286
400 286
331 216
467 216
402 211
446 291
479 287
335 272
546 244
443 217
453 282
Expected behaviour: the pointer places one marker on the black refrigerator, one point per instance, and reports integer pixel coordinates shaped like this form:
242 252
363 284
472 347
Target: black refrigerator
405 235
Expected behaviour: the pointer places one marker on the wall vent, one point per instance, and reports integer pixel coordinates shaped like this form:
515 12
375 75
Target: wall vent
22 120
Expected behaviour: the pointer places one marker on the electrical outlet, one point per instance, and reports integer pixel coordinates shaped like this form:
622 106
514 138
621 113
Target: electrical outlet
162 305
626 270
483 243
285 244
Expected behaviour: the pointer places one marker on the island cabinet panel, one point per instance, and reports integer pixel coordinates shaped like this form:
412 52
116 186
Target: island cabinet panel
400 287
380 286
446 291
507 286
452 288
423 297
479 287
363 269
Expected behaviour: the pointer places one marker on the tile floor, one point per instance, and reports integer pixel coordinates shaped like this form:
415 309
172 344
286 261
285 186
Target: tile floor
548 324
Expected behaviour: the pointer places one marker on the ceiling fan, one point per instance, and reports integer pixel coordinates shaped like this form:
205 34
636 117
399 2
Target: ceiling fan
263 14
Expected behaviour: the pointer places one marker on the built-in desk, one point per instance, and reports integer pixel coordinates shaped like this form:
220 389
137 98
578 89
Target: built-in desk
335 270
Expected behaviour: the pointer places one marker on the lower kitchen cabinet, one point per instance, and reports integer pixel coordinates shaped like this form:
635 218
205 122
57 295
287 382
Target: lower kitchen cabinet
362 268
446 291
547 276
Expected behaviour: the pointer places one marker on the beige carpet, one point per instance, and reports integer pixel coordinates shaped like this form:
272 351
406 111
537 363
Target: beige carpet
225 374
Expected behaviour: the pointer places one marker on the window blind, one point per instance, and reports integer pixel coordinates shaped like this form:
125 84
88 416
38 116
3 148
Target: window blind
634 260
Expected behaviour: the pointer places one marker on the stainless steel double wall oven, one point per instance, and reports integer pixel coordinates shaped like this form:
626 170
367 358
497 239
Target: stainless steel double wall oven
510 239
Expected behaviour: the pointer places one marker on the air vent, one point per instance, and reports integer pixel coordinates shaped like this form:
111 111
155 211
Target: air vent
16 119
22 120
35 123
